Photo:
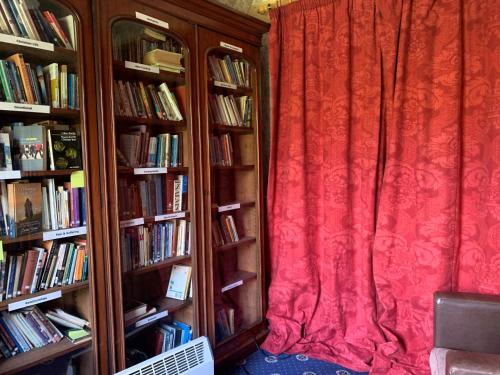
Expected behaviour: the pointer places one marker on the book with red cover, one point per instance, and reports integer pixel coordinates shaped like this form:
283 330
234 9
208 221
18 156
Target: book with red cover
169 192
29 273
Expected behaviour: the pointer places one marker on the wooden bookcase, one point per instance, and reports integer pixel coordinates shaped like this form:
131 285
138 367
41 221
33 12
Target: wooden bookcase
199 26
234 267
86 298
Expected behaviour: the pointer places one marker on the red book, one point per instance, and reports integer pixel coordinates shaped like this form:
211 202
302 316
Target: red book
169 195
29 272
158 342
54 23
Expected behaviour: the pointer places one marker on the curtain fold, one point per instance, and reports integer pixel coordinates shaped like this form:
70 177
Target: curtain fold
384 182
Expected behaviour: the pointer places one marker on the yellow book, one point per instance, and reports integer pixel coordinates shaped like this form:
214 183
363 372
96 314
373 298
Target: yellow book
52 71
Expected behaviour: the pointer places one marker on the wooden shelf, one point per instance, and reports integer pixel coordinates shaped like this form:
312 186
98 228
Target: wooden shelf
60 172
233 129
242 330
173 126
67 115
215 206
232 245
234 168
64 290
61 233
229 91
36 55
120 72
238 279
177 170
29 237
23 361
160 265
162 304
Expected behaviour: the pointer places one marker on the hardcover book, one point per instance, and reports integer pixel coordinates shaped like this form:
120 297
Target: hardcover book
66 149
25 208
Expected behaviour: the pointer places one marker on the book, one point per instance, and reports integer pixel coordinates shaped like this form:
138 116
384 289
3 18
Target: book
5 152
179 282
29 148
65 149
25 208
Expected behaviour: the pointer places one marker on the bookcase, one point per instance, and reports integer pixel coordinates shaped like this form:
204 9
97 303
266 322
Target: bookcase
49 261
233 210
140 88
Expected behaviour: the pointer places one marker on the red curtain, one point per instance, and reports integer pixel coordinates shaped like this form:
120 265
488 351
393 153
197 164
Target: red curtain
384 174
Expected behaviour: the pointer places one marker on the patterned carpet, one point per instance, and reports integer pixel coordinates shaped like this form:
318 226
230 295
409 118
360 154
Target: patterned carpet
262 363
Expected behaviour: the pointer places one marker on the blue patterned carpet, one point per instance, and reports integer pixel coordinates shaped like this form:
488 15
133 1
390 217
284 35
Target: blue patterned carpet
262 363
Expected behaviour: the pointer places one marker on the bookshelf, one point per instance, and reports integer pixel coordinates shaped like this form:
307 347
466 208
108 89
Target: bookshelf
151 234
229 77
47 241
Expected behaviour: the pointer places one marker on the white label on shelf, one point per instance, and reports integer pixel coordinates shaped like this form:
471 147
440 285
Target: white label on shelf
143 67
24 107
150 170
151 318
175 215
226 85
63 233
232 286
10 175
229 207
35 300
231 47
26 42
131 222
154 21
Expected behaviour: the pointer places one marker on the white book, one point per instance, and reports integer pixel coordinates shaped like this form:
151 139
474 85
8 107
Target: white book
45 210
177 206
52 164
179 282
38 269
71 318
181 237
60 256
9 275
63 322
4 202
68 25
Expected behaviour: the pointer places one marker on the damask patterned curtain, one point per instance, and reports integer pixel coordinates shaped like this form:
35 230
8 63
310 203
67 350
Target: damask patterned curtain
384 175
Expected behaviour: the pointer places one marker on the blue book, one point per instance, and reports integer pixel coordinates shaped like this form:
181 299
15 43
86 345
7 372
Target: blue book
83 207
175 150
10 288
24 346
186 331
17 18
11 335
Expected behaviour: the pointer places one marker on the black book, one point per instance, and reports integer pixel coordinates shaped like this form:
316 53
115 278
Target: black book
66 149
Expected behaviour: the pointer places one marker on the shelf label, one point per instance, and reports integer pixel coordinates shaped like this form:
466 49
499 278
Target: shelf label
63 233
229 207
151 318
12 39
142 67
154 21
24 107
225 85
231 47
150 170
232 286
175 215
131 222
10 175
34 301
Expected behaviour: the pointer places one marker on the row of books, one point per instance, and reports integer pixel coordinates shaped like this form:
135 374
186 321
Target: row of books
28 207
145 245
24 18
132 42
30 328
24 147
224 230
134 99
169 336
52 85
139 149
235 71
221 150
53 263
155 195
229 110
224 323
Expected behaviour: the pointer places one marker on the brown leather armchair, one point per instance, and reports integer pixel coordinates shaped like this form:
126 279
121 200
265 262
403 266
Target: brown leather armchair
466 334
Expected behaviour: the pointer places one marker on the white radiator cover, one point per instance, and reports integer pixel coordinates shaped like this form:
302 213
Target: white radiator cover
193 358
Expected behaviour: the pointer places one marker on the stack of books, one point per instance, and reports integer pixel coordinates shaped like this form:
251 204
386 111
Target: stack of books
138 149
224 230
169 336
224 324
221 150
235 71
132 44
30 328
165 60
52 85
30 207
51 264
146 245
134 99
25 19
229 110
155 195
